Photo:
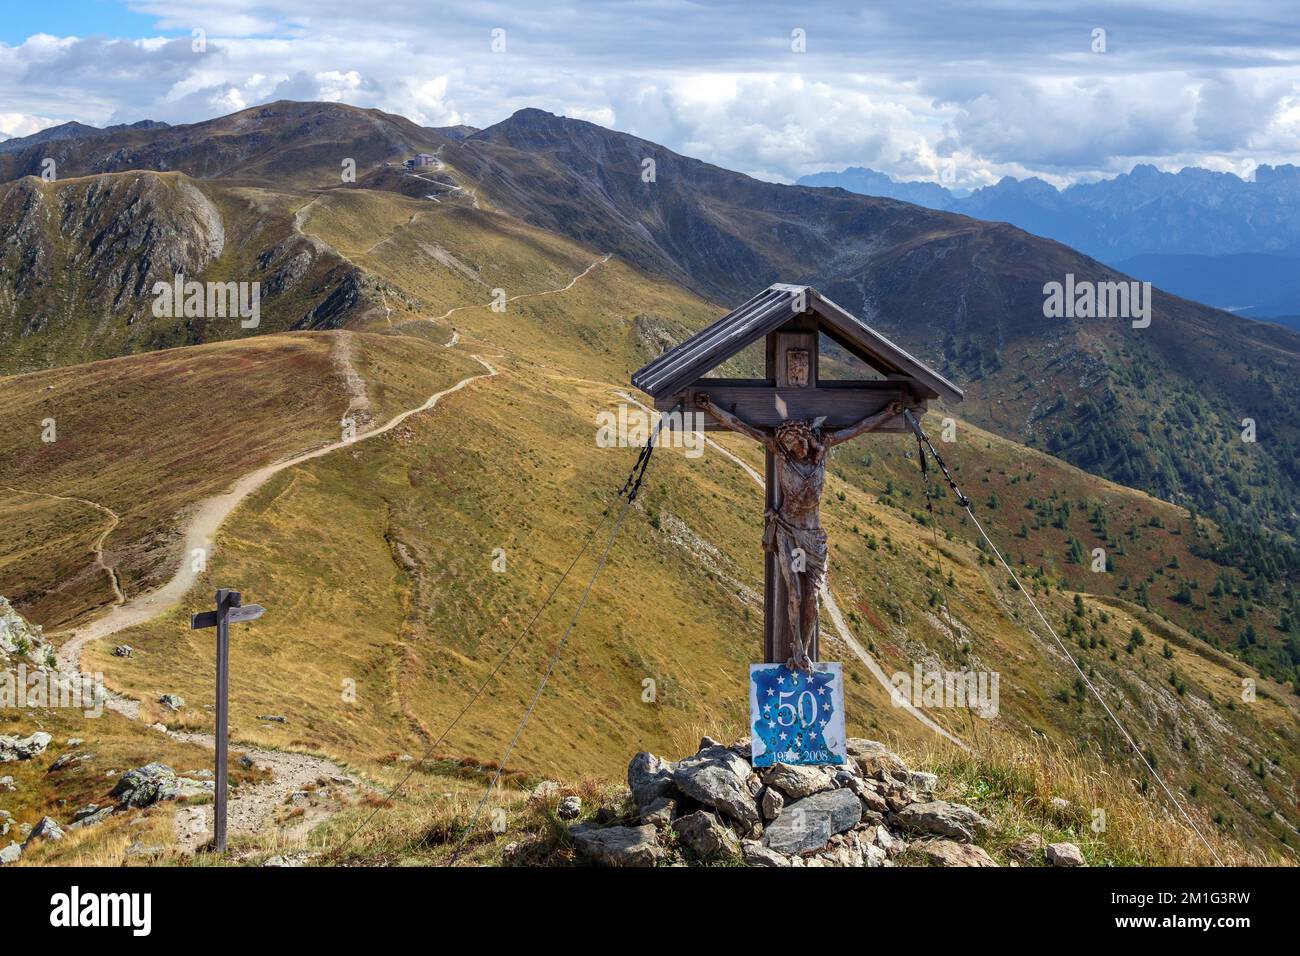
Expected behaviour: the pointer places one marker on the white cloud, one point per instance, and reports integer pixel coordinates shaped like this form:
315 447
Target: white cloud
1003 87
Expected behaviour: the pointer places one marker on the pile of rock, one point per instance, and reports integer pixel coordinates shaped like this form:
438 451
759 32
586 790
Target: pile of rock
718 807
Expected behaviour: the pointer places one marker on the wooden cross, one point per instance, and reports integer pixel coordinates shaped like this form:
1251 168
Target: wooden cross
797 387
230 609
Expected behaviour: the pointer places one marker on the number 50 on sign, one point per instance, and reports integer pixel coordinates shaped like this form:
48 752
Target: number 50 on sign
796 717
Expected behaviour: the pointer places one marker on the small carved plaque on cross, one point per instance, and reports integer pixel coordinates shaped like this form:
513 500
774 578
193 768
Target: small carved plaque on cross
796 364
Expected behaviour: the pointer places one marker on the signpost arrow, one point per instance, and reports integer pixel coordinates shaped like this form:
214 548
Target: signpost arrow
230 610
247 612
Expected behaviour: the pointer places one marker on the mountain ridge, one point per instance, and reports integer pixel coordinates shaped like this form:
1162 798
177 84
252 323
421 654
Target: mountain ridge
965 295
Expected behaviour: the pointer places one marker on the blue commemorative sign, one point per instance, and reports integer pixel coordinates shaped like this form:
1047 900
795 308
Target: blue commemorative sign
796 717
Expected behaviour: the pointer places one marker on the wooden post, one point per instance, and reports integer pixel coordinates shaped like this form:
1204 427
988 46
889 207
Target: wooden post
225 597
801 334
230 610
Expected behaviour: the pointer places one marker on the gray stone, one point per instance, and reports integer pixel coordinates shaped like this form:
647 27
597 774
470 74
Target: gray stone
797 782
755 854
898 795
1065 854
274 718
183 788
873 855
890 844
172 701
143 786
617 846
99 815
951 853
545 790
706 742
47 828
922 781
844 855
649 779
11 853
70 757
944 819
743 748
771 802
659 813
703 833
718 778
23 748
88 810
569 808
874 759
7 785
808 824
247 762
123 650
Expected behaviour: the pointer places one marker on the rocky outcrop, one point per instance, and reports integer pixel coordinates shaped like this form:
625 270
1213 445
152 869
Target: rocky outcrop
153 782
23 748
20 641
46 829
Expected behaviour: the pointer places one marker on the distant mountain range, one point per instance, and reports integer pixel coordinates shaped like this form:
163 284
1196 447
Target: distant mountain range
1208 236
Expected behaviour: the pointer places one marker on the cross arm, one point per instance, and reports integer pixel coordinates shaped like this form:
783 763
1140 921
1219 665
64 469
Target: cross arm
735 422
836 436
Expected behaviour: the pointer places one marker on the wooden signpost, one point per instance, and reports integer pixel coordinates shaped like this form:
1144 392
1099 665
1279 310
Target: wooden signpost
798 411
230 609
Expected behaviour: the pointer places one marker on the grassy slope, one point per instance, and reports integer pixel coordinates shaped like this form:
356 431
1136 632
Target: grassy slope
407 524
214 412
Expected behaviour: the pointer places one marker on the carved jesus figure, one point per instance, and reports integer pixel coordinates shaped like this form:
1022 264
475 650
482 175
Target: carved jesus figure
793 530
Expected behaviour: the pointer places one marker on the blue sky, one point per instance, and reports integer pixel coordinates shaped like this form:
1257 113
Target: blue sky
72 17
983 88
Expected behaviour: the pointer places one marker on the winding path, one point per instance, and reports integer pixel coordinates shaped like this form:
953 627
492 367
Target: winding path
529 295
98 548
208 517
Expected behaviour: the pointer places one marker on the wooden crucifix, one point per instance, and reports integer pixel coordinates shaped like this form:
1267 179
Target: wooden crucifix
797 412
230 609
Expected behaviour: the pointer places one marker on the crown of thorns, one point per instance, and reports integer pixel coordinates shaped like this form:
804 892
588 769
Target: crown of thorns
799 429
